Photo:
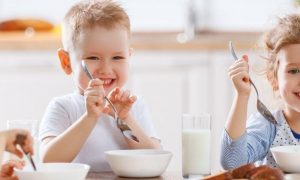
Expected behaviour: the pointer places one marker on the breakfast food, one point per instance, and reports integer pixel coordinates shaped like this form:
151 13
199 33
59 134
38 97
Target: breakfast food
250 172
23 24
220 176
255 170
241 171
268 174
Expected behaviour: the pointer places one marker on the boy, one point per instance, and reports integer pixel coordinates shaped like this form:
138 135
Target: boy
79 127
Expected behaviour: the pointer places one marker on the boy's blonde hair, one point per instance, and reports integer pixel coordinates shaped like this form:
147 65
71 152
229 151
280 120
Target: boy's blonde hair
88 14
286 31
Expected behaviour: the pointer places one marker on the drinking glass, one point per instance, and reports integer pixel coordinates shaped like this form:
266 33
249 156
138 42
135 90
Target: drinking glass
196 145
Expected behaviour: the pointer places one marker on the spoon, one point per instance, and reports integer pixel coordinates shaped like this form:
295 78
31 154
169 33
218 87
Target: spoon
20 140
126 131
262 109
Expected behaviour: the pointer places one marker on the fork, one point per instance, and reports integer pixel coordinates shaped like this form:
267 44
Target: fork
20 140
125 129
262 109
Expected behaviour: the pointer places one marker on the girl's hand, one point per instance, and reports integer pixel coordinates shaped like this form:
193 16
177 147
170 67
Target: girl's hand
10 137
7 169
123 102
94 98
239 74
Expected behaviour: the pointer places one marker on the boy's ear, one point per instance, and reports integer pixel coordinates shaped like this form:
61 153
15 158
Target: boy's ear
64 59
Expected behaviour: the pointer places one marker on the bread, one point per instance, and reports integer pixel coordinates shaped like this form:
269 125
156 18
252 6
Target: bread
256 170
250 172
220 176
268 174
241 171
23 24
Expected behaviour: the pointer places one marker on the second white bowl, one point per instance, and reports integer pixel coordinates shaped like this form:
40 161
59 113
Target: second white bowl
138 163
287 158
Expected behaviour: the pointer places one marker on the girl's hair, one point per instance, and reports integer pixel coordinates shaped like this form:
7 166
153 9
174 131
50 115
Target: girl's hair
285 32
90 13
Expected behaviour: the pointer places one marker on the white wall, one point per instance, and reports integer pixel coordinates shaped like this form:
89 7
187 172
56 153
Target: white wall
167 15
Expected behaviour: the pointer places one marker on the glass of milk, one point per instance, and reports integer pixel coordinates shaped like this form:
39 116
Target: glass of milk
196 144
29 125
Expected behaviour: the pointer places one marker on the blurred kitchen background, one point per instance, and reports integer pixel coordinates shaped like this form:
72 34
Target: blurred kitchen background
179 64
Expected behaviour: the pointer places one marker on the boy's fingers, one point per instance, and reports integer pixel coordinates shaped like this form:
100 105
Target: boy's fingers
114 93
132 99
95 82
245 58
106 110
125 95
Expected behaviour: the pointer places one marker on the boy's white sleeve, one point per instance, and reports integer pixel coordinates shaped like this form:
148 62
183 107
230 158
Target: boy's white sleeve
142 115
55 121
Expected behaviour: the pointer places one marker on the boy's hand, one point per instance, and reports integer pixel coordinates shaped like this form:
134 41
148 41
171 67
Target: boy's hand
123 102
10 137
7 169
239 74
94 98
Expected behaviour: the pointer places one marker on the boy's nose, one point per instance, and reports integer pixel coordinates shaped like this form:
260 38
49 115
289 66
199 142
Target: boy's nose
104 68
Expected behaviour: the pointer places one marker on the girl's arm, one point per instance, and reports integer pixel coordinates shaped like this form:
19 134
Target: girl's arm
236 121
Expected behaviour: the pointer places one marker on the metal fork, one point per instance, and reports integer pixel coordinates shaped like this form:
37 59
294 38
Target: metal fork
20 140
125 129
262 109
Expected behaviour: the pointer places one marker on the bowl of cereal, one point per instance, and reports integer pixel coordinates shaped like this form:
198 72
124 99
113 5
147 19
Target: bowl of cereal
54 171
287 157
138 163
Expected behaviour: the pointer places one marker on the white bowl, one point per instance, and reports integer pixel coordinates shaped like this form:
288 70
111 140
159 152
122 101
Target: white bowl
54 171
287 158
138 163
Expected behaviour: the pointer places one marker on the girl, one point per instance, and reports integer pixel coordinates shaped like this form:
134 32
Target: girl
252 142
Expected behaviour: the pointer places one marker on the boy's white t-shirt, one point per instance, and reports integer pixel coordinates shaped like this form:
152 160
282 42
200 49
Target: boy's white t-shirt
63 111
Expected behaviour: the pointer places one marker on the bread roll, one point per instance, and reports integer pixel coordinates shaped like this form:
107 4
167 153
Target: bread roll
241 171
23 24
220 176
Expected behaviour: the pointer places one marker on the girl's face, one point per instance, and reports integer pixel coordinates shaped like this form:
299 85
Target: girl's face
106 53
288 77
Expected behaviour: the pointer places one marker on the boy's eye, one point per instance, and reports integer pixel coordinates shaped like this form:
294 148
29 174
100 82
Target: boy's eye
118 57
92 58
294 71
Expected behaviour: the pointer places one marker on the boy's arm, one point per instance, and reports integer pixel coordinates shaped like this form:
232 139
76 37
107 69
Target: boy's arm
145 142
124 101
55 149
66 146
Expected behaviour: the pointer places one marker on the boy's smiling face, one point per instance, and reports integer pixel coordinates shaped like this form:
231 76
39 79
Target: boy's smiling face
106 53
288 76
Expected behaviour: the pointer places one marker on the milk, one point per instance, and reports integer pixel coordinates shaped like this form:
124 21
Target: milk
196 151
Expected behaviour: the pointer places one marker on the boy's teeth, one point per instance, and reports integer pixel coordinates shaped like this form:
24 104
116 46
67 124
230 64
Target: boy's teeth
105 82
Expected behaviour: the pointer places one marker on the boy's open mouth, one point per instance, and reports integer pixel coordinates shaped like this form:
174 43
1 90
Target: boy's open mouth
107 83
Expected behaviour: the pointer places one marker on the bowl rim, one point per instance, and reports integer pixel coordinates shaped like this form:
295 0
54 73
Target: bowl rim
130 152
280 149
81 165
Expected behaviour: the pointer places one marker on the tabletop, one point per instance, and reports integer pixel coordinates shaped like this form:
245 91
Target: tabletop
111 175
